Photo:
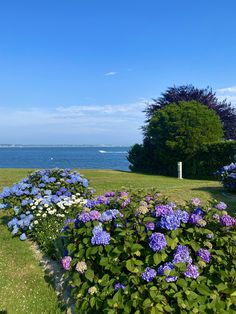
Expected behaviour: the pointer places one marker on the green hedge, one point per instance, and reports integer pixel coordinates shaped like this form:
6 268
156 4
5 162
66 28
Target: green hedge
209 159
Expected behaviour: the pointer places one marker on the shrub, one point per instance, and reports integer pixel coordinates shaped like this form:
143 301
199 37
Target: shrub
41 202
175 133
142 254
209 158
227 176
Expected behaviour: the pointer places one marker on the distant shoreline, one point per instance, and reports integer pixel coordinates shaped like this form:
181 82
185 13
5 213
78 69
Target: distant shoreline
47 146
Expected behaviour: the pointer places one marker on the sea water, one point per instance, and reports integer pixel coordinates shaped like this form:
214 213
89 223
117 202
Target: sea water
64 157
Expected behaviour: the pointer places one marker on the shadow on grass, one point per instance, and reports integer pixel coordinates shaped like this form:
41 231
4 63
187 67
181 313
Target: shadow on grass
220 194
163 175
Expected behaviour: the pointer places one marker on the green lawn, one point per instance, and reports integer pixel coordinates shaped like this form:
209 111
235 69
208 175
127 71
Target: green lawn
23 288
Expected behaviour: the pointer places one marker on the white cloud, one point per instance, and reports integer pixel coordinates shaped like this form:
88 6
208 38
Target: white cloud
228 93
227 90
110 73
118 124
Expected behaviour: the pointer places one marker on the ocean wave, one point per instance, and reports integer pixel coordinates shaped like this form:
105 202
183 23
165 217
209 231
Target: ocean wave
112 152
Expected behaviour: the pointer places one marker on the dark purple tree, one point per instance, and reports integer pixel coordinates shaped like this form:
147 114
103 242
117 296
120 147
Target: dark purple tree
206 96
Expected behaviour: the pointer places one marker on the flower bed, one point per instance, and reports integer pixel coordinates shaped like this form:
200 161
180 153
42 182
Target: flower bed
140 254
42 201
227 176
129 252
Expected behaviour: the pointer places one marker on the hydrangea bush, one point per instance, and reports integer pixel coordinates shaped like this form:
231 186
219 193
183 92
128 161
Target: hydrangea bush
142 254
42 201
227 175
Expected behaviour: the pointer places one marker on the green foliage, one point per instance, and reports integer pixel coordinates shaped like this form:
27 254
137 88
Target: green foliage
127 255
175 133
209 159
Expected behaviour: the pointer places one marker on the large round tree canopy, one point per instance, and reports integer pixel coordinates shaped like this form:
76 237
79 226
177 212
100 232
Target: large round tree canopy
177 131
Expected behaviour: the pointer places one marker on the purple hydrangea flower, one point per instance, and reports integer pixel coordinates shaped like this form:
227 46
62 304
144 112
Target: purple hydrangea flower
157 241
191 271
66 262
196 201
110 194
118 286
84 217
194 219
149 274
100 237
227 220
125 203
163 210
170 222
182 255
94 215
124 194
150 226
103 200
205 255
221 206
166 267
148 198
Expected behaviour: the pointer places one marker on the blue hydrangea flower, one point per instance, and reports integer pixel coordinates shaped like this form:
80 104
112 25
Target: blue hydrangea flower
149 274
199 211
166 267
15 230
12 222
182 215
171 278
3 206
16 210
182 255
100 237
157 241
110 214
170 222
23 237
5 193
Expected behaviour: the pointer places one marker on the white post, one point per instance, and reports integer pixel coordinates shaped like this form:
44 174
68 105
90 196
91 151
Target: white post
180 175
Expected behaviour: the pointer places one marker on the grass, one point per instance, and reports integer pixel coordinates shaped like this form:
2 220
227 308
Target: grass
23 288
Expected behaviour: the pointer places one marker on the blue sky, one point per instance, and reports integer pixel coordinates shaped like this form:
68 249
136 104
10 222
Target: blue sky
80 72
